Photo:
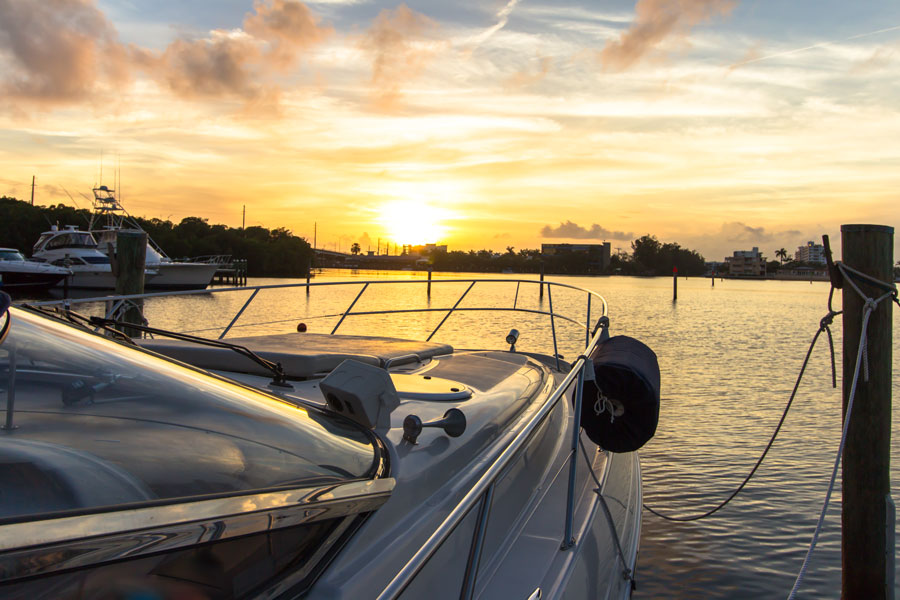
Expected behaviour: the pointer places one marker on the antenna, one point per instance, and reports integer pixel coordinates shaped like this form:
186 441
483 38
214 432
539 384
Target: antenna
32 190
70 198
118 181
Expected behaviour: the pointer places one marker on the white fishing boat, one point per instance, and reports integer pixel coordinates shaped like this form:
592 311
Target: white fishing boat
78 252
110 216
321 465
18 274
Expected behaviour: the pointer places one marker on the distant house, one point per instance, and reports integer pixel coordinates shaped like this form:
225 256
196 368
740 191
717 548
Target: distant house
597 255
810 253
746 263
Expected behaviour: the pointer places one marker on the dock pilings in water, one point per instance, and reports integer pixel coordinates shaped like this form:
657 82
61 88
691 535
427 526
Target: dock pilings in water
232 273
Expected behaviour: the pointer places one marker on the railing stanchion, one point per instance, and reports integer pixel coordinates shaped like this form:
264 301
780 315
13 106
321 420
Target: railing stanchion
484 511
349 308
447 316
569 540
553 326
587 323
240 312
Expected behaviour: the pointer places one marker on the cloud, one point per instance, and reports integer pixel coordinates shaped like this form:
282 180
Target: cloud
527 77
58 51
882 58
240 62
401 43
736 235
656 20
735 231
288 27
502 19
219 65
66 51
572 230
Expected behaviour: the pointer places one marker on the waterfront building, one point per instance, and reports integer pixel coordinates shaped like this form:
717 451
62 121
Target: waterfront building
598 255
810 253
746 263
424 249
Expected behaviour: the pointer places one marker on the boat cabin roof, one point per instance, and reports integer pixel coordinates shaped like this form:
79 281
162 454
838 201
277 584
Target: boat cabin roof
301 355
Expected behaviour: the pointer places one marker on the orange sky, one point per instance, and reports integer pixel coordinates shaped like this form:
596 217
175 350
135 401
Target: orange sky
718 124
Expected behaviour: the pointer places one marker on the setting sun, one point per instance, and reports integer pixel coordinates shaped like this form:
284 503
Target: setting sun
410 222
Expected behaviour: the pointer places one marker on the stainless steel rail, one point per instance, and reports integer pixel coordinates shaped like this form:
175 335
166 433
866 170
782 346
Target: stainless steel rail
117 301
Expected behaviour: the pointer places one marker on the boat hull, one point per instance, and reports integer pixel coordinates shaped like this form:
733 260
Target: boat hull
524 547
13 281
181 276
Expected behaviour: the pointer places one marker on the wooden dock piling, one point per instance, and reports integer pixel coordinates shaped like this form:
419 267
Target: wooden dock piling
674 284
541 294
429 282
867 548
128 267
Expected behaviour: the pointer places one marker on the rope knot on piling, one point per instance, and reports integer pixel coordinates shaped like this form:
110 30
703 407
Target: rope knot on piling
828 319
871 304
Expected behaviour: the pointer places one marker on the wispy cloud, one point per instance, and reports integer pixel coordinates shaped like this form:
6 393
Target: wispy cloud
757 58
401 42
655 21
502 19
527 77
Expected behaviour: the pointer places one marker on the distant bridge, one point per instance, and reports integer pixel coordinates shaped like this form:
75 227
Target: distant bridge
330 259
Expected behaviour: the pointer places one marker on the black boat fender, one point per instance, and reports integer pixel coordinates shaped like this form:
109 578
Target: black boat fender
620 403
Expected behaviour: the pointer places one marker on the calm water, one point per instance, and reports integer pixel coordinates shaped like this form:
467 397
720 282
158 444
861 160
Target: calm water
729 356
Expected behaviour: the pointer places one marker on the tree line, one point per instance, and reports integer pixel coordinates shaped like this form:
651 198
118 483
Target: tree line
269 253
649 257
279 253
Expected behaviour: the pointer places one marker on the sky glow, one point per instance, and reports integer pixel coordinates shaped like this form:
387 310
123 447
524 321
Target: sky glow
717 124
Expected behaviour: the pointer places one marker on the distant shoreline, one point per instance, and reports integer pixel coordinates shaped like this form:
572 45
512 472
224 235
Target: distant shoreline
549 275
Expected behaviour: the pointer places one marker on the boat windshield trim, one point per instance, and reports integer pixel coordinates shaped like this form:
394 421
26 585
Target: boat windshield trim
36 547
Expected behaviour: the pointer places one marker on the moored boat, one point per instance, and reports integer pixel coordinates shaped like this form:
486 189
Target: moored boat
320 465
77 251
20 275
110 216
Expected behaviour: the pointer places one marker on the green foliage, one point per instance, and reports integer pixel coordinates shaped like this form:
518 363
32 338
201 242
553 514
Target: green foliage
276 253
651 257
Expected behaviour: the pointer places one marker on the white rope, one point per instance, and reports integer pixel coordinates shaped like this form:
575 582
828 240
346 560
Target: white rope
870 306
604 404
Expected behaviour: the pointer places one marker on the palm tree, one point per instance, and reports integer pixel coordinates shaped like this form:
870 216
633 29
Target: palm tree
782 254
354 249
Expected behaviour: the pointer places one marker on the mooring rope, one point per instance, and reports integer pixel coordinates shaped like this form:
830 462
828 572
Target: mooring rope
824 325
868 309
